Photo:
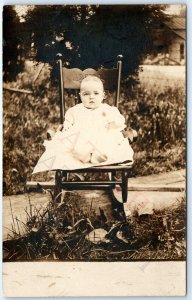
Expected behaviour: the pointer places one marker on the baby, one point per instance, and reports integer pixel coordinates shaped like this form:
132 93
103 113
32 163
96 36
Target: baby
91 134
99 125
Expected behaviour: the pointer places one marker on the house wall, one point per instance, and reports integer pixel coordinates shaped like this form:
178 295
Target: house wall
174 48
168 41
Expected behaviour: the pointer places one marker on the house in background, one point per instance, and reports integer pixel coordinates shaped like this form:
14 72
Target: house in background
169 41
177 46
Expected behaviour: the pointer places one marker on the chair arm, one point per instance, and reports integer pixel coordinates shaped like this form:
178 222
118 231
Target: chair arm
51 132
60 127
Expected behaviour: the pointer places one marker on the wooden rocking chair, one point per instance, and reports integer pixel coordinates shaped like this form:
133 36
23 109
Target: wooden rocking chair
70 79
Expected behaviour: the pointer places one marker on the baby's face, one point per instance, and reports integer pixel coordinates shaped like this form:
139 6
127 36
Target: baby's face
92 94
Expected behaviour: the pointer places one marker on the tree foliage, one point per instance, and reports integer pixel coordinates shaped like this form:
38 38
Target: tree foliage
90 35
12 43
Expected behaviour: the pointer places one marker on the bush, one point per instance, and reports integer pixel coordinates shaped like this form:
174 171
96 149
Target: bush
160 120
26 119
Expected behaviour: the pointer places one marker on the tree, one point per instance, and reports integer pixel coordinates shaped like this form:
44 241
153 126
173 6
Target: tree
92 35
117 29
12 43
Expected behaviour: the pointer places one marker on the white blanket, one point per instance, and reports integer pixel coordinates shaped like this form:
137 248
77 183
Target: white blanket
59 153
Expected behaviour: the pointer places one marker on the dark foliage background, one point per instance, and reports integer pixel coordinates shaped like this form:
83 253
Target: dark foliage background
12 44
83 35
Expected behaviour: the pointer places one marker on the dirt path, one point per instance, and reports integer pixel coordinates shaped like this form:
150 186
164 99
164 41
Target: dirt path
17 206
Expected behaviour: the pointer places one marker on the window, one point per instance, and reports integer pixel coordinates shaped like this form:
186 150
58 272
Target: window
182 54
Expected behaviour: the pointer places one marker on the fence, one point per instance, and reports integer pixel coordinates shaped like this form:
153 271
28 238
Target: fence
162 77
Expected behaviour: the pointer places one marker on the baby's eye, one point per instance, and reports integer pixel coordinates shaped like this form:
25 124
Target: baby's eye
86 94
96 93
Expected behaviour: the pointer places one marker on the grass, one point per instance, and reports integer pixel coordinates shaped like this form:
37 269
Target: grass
167 159
61 232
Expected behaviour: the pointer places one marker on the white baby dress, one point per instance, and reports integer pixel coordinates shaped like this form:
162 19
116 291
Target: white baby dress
85 130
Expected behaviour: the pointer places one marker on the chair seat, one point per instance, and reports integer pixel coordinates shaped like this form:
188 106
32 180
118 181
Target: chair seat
107 168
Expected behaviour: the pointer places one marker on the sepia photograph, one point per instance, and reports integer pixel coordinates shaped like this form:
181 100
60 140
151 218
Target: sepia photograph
94 137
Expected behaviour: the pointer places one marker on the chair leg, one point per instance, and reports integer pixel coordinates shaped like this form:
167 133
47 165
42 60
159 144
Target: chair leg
113 174
58 189
124 186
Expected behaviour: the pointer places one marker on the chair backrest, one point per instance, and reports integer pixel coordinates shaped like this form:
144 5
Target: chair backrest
71 79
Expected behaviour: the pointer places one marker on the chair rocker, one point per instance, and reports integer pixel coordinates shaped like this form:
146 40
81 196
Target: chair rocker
70 79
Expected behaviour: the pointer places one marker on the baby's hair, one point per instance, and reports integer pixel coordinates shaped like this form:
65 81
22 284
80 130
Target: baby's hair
91 78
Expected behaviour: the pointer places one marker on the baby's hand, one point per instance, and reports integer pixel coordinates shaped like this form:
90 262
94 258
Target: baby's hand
111 125
97 158
114 120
